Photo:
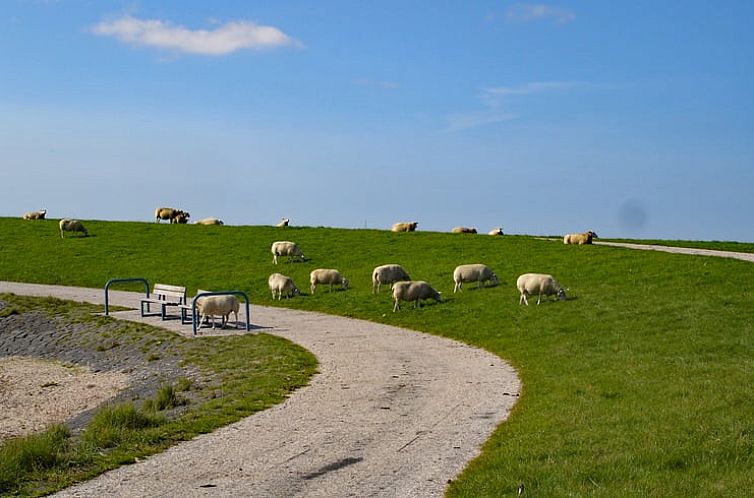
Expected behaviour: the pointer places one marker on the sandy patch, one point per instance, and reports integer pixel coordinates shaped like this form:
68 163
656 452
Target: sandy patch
35 393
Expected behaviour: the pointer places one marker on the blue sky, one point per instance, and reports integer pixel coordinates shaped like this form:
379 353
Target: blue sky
632 119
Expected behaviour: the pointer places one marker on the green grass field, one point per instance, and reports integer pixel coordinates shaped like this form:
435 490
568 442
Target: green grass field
638 385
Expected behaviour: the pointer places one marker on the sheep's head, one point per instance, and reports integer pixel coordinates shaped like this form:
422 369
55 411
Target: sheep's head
561 294
345 283
494 279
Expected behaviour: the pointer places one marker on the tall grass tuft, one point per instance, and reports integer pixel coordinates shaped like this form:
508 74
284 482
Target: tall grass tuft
112 424
22 456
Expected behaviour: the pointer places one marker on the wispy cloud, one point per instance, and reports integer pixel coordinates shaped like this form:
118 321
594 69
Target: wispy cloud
384 85
225 39
494 100
528 12
464 121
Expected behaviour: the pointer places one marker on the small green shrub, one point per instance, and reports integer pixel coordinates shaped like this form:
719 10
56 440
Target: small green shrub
183 384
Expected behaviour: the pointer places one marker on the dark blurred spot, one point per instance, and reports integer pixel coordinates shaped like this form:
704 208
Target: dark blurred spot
632 215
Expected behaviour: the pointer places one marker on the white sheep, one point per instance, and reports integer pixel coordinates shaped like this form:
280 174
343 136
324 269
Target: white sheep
286 248
579 238
221 306
209 221
496 231
283 222
405 226
387 274
35 215
463 230
540 284
327 276
281 284
68 225
473 273
172 214
414 290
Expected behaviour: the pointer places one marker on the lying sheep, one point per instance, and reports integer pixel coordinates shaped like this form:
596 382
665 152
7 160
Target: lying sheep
473 273
463 230
537 283
281 284
223 306
286 248
172 214
209 221
496 231
68 225
283 222
405 226
35 215
387 274
579 238
327 276
414 290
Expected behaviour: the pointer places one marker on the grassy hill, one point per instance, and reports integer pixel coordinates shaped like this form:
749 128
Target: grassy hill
639 384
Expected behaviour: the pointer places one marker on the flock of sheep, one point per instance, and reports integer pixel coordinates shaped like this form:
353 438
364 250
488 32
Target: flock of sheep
65 225
403 288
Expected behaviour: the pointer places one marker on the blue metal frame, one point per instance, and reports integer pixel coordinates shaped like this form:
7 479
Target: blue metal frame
118 280
195 318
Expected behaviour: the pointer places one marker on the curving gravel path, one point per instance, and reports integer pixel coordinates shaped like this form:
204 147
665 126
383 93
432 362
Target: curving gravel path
391 413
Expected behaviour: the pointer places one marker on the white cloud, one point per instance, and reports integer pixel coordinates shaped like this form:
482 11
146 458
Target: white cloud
526 12
225 39
494 98
464 121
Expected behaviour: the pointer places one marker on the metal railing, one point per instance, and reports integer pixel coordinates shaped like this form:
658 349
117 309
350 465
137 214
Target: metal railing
195 318
121 280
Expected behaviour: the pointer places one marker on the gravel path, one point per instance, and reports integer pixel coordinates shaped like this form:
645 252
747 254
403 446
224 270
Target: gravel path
682 250
391 413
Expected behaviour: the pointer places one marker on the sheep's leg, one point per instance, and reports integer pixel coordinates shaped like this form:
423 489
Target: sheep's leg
396 306
457 287
523 298
539 298
312 288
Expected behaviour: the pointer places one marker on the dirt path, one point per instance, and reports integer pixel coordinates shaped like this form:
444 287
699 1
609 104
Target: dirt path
391 413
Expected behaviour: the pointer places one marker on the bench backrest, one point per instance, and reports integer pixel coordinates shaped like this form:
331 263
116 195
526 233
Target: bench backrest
170 292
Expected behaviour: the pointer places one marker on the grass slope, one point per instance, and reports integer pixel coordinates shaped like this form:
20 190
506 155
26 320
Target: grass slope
638 385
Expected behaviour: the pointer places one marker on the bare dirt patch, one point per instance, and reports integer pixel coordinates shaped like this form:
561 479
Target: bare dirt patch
36 393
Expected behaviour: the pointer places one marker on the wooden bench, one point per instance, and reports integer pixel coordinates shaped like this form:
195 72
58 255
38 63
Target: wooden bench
164 295
187 312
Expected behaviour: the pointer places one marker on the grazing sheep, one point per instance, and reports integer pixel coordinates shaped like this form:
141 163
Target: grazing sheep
463 230
218 305
540 284
387 274
405 226
286 248
35 215
68 225
172 214
496 231
283 222
327 276
473 273
579 238
414 290
209 221
280 284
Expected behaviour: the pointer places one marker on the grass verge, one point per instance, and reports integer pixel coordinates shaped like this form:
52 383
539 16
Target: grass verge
639 384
